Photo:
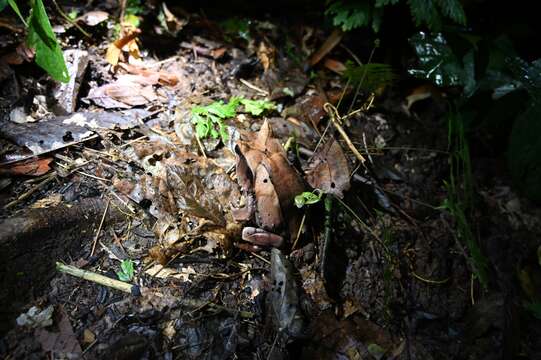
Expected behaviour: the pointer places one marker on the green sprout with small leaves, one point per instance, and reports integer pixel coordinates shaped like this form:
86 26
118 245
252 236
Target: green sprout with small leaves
126 270
209 119
308 198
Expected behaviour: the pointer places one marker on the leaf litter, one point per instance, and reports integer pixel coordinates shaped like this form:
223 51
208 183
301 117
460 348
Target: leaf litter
201 148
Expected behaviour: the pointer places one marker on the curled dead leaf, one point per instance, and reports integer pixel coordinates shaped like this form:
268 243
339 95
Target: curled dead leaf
329 170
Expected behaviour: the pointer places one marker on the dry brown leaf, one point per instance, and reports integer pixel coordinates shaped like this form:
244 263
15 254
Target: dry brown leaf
115 49
329 44
334 65
266 55
30 167
122 94
163 77
329 170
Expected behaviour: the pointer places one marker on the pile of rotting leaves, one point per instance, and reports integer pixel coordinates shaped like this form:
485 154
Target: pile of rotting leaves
291 231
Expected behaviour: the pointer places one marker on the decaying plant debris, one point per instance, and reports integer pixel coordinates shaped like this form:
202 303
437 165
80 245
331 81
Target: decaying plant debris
181 148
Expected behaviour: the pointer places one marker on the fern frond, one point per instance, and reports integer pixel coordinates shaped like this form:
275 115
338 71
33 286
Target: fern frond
369 76
425 12
351 15
382 3
453 10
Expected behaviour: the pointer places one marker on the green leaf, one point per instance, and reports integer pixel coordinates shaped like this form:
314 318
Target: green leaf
308 198
15 8
127 270
41 37
438 63
208 119
257 107
3 4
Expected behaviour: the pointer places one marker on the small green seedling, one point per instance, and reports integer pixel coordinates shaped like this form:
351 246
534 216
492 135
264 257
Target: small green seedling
257 107
308 198
209 119
127 271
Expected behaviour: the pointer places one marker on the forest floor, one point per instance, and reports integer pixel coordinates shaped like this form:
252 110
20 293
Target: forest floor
179 150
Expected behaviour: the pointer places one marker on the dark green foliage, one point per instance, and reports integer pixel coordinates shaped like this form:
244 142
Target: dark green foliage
381 3
524 154
429 12
369 76
459 201
41 37
351 14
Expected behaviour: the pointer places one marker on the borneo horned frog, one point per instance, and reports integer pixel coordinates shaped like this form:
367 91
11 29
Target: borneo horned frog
270 185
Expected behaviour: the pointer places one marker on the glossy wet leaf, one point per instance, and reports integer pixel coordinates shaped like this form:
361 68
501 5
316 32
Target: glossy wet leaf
41 37
438 63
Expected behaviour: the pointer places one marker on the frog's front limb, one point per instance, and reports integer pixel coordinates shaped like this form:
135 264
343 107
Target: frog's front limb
261 237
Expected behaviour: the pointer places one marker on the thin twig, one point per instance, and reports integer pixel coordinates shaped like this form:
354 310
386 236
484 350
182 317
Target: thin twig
99 228
94 277
429 281
31 191
201 147
253 87
261 258
70 20
299 232
333 114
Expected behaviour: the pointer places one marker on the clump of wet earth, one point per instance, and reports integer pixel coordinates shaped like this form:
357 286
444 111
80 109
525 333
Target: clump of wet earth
111 169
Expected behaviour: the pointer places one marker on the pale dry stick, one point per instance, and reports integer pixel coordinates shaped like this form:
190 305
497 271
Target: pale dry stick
128 206
261 258
299 232
429 281
123 4
31 191
96 278
200 144
92 176
99 228
165 61
366 149
253 87
132 142
335 118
